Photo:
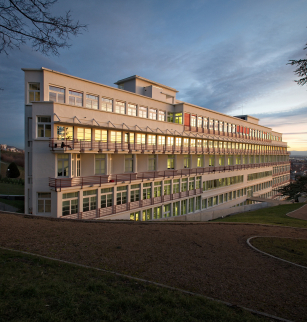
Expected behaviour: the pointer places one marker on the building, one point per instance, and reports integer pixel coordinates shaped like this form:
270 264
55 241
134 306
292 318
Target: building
136 152
3 147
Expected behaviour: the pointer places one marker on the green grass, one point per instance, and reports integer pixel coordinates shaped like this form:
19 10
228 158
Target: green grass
11 189
19 204
36 289
271 216
293 250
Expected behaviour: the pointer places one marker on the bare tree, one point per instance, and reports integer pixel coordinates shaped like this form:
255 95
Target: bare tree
301 70
23 21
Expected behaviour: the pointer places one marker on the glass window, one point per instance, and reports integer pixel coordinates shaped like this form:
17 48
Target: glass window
191 183
191 205
186 161
167 210
200 161
75 98
100 164
135 216
178 118
135 193
143 111
121 195
34 92
183 207
151 139
170 117
62 165
56 94
89 203
167 187
161 140
176 206
193 120
70 203
116 136
128 163
204 203
65 132
146 214
131 109
171 161
151 162
92 101
106 197
176 186
152 114
84 134
146 190
199 122
157 213
44 126
120 107
161 116
157 189
101 135
43 202
106 104
184 184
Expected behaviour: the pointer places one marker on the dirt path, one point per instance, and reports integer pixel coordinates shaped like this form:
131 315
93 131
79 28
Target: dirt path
209 258
300 213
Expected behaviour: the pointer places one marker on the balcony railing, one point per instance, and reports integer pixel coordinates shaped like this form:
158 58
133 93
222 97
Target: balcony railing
97 146
101 212
280 183
62 183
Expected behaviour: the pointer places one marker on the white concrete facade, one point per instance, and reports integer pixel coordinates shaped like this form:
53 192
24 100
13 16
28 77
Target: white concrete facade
136 152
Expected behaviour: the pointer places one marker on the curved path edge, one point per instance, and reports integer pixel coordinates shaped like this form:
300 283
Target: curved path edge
255 312
297 210
260 251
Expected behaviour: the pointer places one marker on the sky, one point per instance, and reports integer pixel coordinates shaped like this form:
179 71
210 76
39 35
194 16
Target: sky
228 56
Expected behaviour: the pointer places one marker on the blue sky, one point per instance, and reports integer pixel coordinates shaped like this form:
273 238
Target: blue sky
228 56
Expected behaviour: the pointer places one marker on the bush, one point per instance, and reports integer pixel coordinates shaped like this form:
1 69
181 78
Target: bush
12 171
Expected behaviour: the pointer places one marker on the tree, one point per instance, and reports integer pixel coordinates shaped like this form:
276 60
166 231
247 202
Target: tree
12 171
301 70
295 189
23 21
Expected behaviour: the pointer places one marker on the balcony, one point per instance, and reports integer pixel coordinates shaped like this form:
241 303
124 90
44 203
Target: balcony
280 183
115 209
117 147
61 183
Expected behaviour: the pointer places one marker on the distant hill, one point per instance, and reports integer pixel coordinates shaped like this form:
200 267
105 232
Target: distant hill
299 153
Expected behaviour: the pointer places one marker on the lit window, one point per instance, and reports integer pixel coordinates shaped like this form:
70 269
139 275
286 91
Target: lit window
56 94
132 109
167 210
120 107
151 139
161 140
63 165
170 162
157 189
199 122
200 161
135 216
44 126
170 117
167 187
193 120
84 134
116 136
121 195
147 190
146 214
92 101
43 202
34 92
101 135
65 132
143 111
106 104
152 114
75 98
161 116
178 118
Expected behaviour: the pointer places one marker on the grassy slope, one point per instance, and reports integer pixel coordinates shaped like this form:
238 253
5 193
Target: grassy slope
272 216
11 189
19 204
34 289
293 250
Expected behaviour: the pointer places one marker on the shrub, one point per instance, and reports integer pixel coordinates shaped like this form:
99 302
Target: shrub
12 171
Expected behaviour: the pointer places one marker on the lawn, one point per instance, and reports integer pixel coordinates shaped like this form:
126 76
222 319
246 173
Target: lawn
293 250
37 289
271 216
19 204
11 189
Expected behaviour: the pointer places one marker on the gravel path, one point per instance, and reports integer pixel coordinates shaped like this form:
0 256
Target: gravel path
208 258
300 213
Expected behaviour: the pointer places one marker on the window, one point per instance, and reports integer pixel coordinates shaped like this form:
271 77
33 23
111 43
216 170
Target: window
84 134
170 141
167 187
161 140
101 135
128 163
120 107
146 190
131 109
176 186
176 206
43 202
140 138
34 92
65 132
184 184
151 162
157 189
92 101
135 193
89 203
143 111
167 210
191 205
178 142
199 122
198 182
221 160
204 203
78 174
178 118
191 183
100 164
116 136
200 161
171 161
198 203
62 165
183 207
106 104
170 117
56 94
121 195
151 139
221 199
75 98
186 161
70 203
152 114
161 116
135 216
106 197
211 160
146 214
44 126
205 123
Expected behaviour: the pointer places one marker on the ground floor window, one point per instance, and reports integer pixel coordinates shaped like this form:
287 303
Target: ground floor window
146 214
70 203
89 200
157 213
106 197
135 216
43 202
